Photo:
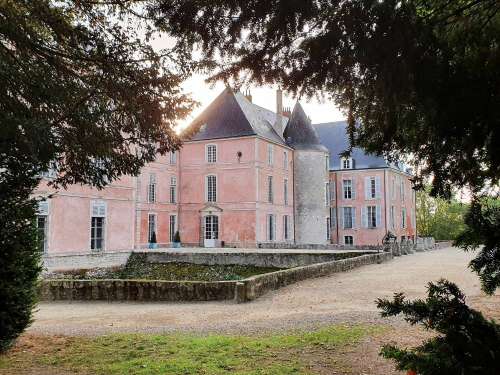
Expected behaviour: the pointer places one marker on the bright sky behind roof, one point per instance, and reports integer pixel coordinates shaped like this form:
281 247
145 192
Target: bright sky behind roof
262 96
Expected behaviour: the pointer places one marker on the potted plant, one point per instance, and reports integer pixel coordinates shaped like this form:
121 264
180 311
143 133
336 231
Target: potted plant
152 241
177 240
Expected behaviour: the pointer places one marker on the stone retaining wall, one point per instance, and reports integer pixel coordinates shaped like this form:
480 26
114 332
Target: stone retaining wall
65 262
284 245
255 286
136 290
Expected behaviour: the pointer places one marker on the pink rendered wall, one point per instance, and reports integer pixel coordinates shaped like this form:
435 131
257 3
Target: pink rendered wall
372 236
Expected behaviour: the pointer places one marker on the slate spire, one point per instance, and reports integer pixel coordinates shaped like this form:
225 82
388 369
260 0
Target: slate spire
299 132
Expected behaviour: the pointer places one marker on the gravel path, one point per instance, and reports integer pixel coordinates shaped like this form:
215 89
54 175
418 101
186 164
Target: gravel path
343 297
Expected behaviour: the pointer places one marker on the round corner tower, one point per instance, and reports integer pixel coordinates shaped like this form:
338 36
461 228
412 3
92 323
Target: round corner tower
310 181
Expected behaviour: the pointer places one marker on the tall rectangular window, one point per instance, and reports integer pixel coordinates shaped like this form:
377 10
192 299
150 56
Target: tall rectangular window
211 153
270 193
371 216
392 217
152 188
327 162
286 227
173 157
347 187
285 160
151 227
328 226
333 217
402 188
97 225
172 227
327 194
403 218
271 227
372 187
348 217
42 225
270 154
285 191
173 189
211 188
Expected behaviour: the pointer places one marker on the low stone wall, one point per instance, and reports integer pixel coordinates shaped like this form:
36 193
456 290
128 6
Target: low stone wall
136 290
284 245
65 262
254 287
443 244
279 260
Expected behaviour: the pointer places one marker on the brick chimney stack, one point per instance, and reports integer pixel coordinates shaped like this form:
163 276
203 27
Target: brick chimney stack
278 127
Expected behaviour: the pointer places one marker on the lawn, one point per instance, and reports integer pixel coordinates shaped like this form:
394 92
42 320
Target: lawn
149 354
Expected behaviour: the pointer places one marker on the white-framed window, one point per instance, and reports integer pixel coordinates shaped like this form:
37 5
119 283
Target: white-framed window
346 163
211 153
152 188
370 217
392 217
348 240
285 191
97 225
172 227
372 187
403 218
347 187
328 227
211 188
152 227
285 160
270 192
327 162
327 194
333 216
402 189
271 227
42 225
173 189
173 157
348 217
270 154
286 227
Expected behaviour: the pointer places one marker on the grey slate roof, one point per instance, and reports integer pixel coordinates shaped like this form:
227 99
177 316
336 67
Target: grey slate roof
334 136
231 115
300 134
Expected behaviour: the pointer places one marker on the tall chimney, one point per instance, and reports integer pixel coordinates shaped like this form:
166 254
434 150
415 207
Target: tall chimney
279 112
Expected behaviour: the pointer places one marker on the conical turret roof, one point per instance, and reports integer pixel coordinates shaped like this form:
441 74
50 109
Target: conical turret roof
299 132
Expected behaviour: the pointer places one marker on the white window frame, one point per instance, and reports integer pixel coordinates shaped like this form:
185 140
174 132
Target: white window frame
371 217
173 157
211 153
402 189
345 163
173 189
328 228
211 196
155 226
270 154
172 228
286 227
98 209
352 239
270 189
392 217
44 211
327 163
152 188
271 227
353 217
345 189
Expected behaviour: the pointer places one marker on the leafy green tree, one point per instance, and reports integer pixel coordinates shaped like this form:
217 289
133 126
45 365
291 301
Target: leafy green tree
81 90
439 218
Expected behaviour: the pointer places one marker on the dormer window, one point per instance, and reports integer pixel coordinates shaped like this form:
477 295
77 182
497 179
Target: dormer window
346 163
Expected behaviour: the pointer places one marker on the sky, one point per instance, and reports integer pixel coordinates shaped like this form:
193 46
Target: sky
262 96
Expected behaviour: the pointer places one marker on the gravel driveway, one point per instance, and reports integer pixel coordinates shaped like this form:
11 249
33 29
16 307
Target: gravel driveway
343 297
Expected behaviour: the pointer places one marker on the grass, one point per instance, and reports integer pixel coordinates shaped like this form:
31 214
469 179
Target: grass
147 354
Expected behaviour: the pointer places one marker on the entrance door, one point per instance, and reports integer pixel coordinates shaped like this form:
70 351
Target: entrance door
211 230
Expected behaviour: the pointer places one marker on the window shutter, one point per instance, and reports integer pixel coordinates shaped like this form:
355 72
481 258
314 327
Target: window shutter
365 217
333 215
353 211
367 188
353 188
379 216
377 187
333 190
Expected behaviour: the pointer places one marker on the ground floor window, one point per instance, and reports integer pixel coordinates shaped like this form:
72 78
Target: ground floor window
271 227
328 226
97 233
286 227
348 217
172 227
348 240
152 228
41 224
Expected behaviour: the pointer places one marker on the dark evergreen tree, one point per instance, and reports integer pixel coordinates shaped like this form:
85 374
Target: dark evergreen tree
81 90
